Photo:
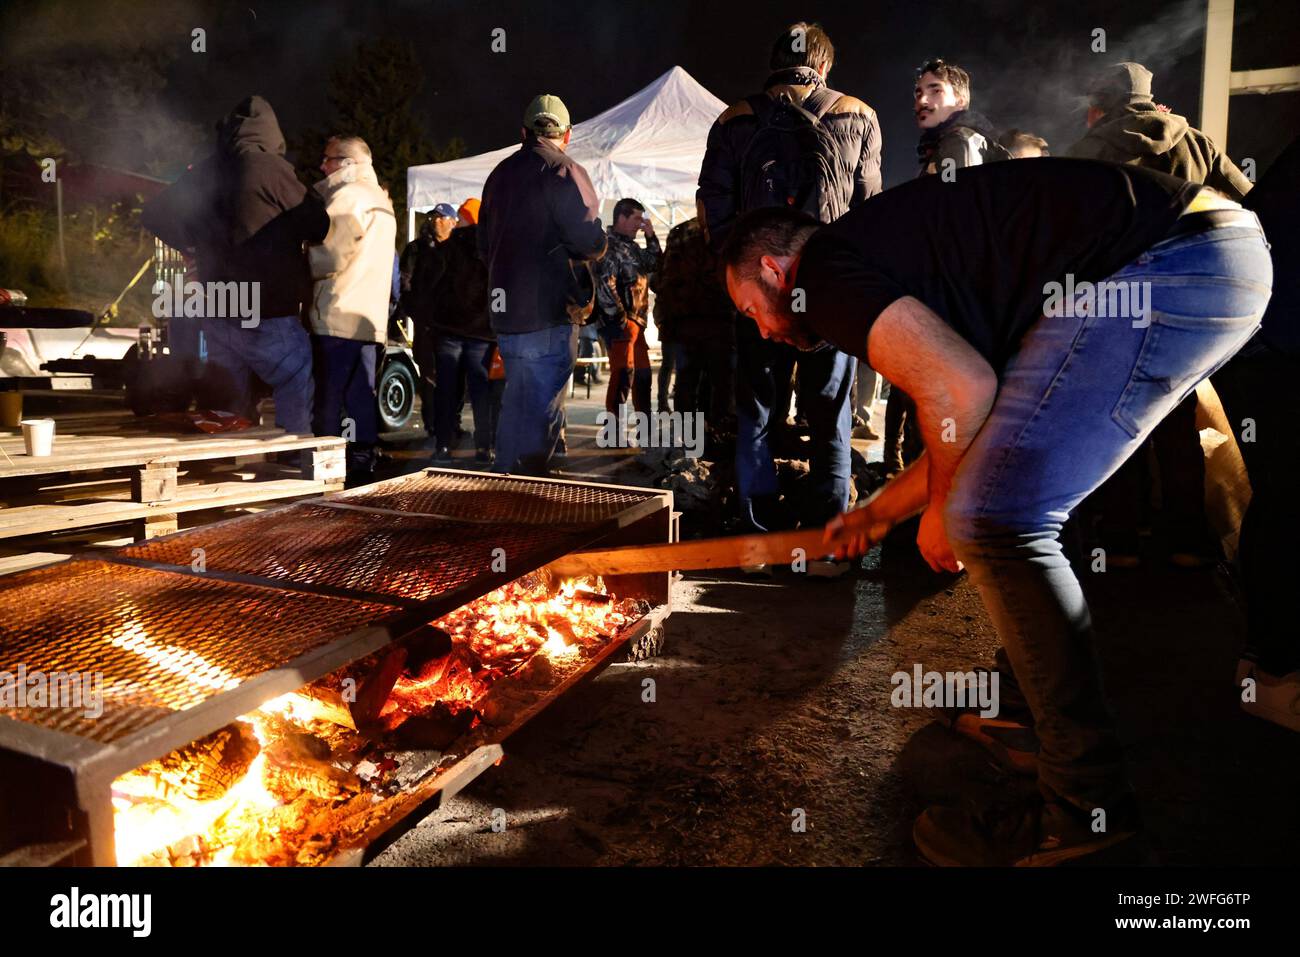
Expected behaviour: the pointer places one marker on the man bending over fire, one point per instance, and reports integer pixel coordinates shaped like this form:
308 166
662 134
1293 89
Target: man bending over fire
1045 315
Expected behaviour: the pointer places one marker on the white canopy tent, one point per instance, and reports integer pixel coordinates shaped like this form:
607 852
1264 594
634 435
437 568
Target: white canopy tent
648 147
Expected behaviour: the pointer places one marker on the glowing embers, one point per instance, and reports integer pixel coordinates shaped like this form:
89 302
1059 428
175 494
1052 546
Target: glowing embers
294 781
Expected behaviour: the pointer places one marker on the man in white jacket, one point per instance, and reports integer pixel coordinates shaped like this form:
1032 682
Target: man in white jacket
352 272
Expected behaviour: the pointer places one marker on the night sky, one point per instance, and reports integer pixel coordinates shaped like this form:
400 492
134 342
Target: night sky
1029 61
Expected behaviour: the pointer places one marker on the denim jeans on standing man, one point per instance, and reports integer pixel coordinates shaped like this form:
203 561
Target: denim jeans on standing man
538 365
457 354
278 351
1077 399
345 383
825 389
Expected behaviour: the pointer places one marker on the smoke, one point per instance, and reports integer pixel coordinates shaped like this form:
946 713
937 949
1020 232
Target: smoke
1038 79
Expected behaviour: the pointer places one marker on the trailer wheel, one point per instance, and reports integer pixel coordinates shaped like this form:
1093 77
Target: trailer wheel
396 394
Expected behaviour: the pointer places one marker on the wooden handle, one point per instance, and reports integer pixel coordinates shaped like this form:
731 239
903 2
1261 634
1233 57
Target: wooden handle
772 548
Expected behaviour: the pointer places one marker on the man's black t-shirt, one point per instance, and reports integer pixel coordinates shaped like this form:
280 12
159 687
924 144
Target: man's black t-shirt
979 250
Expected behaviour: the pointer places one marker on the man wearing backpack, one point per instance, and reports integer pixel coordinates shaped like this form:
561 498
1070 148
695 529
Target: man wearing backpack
798 144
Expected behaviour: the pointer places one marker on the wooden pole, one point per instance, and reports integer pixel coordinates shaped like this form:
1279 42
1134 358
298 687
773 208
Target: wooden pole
773 548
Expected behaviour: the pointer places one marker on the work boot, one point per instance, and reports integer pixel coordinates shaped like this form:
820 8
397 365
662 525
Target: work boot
1010 738
1036 833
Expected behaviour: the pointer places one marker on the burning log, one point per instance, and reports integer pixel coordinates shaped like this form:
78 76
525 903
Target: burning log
329 705
436 728
423 654
209 767
300 762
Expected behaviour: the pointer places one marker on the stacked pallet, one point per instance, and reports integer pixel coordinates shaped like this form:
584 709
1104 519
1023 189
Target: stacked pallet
109 469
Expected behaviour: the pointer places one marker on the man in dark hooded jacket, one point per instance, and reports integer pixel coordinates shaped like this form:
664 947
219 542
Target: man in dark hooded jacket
953 135
1126 126
244 216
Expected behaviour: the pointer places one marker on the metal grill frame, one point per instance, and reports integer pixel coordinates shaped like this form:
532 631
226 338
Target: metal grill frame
93 765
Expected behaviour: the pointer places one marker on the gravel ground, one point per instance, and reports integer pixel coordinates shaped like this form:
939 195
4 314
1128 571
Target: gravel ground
773 698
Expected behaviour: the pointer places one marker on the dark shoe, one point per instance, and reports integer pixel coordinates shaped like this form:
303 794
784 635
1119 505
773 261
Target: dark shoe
1009 737
358 475
1034 834
865 431
483 456
442 456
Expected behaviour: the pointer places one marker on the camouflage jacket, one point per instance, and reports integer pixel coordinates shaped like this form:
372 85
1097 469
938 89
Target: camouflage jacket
623 279
690 303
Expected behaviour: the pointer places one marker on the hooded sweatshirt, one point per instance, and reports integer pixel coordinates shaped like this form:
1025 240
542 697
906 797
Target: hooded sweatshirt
1142 135
243 213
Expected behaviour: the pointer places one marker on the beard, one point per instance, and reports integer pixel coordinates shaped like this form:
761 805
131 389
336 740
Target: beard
792 327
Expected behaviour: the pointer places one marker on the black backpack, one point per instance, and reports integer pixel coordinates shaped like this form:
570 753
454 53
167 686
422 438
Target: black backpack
790 159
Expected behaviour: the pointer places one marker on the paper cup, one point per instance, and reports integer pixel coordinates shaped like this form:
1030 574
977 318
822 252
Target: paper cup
38 434
11 409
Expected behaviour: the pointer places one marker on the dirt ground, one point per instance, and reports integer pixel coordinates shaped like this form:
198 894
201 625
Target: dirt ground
772 707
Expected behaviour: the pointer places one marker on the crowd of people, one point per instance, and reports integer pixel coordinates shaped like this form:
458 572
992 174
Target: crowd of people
802 280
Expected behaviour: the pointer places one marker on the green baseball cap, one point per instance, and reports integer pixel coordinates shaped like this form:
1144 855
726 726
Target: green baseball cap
547 115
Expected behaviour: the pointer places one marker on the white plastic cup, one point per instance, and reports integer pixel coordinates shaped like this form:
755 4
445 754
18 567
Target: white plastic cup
38 436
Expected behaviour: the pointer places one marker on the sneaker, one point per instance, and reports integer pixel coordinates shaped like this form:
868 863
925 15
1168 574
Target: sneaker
865 431
1034 834
1009 737
819 568
758 571
1277 697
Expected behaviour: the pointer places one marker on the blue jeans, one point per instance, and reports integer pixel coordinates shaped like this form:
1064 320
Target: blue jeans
345 382
456 354
276 350
538 365
1077 399
825 389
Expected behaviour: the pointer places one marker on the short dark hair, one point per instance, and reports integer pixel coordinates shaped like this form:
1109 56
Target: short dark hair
1014 139
802 44
949 73
625 207
770 231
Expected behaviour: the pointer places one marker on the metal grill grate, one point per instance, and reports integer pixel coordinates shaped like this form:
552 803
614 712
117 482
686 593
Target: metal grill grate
498 499
384 555
167 640
163 642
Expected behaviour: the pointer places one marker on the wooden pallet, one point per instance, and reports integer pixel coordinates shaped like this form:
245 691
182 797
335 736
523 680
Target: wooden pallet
108 469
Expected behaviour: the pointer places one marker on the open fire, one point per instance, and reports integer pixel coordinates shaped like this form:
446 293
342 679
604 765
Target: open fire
290 782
